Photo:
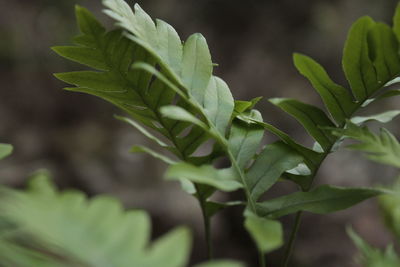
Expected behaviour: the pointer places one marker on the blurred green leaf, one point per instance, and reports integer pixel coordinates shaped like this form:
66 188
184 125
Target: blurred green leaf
373 257
321 200
143 149
267 233
390 206
220 263
242 106
5 150
383 117
212 207
383 148
224 179
61 229
396 22
93 232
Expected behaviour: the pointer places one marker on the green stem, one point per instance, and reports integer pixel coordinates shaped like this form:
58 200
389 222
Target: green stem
207 227
292 239
261 259
295 230
250 200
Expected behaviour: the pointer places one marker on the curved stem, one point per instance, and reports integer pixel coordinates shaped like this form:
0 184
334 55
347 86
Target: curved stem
292 239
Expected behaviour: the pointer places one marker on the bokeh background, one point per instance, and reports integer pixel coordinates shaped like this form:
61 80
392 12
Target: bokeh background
76 137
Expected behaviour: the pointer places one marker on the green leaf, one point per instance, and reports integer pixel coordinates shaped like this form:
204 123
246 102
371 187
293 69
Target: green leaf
357 65
321 200
373 257
5 150
336 98
242 106
147 68
85 55
303 180
396 22
244 139
196 66
169 46
312 158
384 54
87 23
383 117
300 169
188 144
218 104
15 255
223 179
221 263
160 40
40 183
150 69
370 57
110 88
143 131
165 251
62 229
117 82
75 231
189 69
143 149
266 233
102 82
268 167
211 207
390 206
383 148
389 93
312 118
178 113
191 66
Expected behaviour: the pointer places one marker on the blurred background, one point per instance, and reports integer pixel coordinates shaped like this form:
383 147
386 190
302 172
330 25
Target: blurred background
76 137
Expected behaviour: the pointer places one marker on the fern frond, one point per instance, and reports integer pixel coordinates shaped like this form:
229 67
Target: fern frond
45 227
373 257
370 62
382 147
390 206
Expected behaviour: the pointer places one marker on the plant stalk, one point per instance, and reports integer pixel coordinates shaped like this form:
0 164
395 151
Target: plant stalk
250 200
261 259
207 227
292 239
290 246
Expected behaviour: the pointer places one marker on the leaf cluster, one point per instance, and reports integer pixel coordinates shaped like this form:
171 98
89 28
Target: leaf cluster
167 87
41 226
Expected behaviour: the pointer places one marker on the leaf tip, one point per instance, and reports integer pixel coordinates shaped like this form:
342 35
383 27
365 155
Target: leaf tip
277 100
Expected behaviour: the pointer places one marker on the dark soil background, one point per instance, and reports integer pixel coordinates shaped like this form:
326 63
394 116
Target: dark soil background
76 137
